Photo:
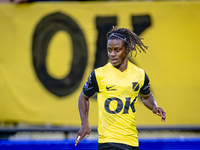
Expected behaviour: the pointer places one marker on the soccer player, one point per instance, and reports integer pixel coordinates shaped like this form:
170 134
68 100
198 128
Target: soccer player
118 85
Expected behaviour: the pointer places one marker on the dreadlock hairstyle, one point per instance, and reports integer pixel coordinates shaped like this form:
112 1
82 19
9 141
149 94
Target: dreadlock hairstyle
132 42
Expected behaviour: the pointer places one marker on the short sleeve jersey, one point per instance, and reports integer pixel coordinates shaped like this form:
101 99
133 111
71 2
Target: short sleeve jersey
117 94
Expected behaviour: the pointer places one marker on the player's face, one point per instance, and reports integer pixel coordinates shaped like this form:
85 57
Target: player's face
116 52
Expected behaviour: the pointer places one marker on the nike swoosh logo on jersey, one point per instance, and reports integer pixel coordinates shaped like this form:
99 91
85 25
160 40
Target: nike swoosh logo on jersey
109 88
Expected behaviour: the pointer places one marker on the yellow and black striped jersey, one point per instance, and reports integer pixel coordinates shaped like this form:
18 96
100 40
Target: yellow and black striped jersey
117 94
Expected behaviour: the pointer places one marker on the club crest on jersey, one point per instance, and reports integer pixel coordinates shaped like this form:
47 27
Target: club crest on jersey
135 86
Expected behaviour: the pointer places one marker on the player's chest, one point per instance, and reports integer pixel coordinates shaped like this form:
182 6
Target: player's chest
112 85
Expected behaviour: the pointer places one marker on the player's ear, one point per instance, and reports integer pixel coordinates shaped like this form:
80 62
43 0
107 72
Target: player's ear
127 51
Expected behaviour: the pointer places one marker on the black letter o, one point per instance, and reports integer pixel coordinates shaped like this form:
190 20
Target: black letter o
119 105
44 31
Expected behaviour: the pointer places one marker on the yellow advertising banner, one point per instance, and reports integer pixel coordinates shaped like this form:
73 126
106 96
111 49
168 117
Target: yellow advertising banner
47 51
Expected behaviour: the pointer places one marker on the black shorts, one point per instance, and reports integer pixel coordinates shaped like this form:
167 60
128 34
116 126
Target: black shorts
115 146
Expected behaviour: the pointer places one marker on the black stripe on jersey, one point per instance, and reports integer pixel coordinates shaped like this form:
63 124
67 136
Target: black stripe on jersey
146 87
91 85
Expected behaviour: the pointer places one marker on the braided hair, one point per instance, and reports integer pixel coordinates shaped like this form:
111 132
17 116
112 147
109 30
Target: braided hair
132 42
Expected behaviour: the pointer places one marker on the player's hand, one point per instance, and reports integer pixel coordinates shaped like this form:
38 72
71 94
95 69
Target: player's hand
160 112
84 130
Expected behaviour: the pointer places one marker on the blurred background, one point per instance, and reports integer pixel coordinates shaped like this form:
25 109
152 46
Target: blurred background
48 49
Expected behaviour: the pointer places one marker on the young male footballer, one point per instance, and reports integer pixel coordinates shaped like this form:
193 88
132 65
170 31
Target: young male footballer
118 85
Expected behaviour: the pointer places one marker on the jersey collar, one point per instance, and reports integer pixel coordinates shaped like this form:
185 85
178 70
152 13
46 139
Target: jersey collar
117 71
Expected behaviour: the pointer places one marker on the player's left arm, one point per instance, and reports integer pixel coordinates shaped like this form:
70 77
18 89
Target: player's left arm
150 102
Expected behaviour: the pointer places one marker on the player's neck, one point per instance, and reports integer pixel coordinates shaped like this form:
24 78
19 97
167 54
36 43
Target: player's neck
123 66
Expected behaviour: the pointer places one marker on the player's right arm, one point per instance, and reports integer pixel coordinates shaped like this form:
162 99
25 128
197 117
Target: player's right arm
83 105
89 89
